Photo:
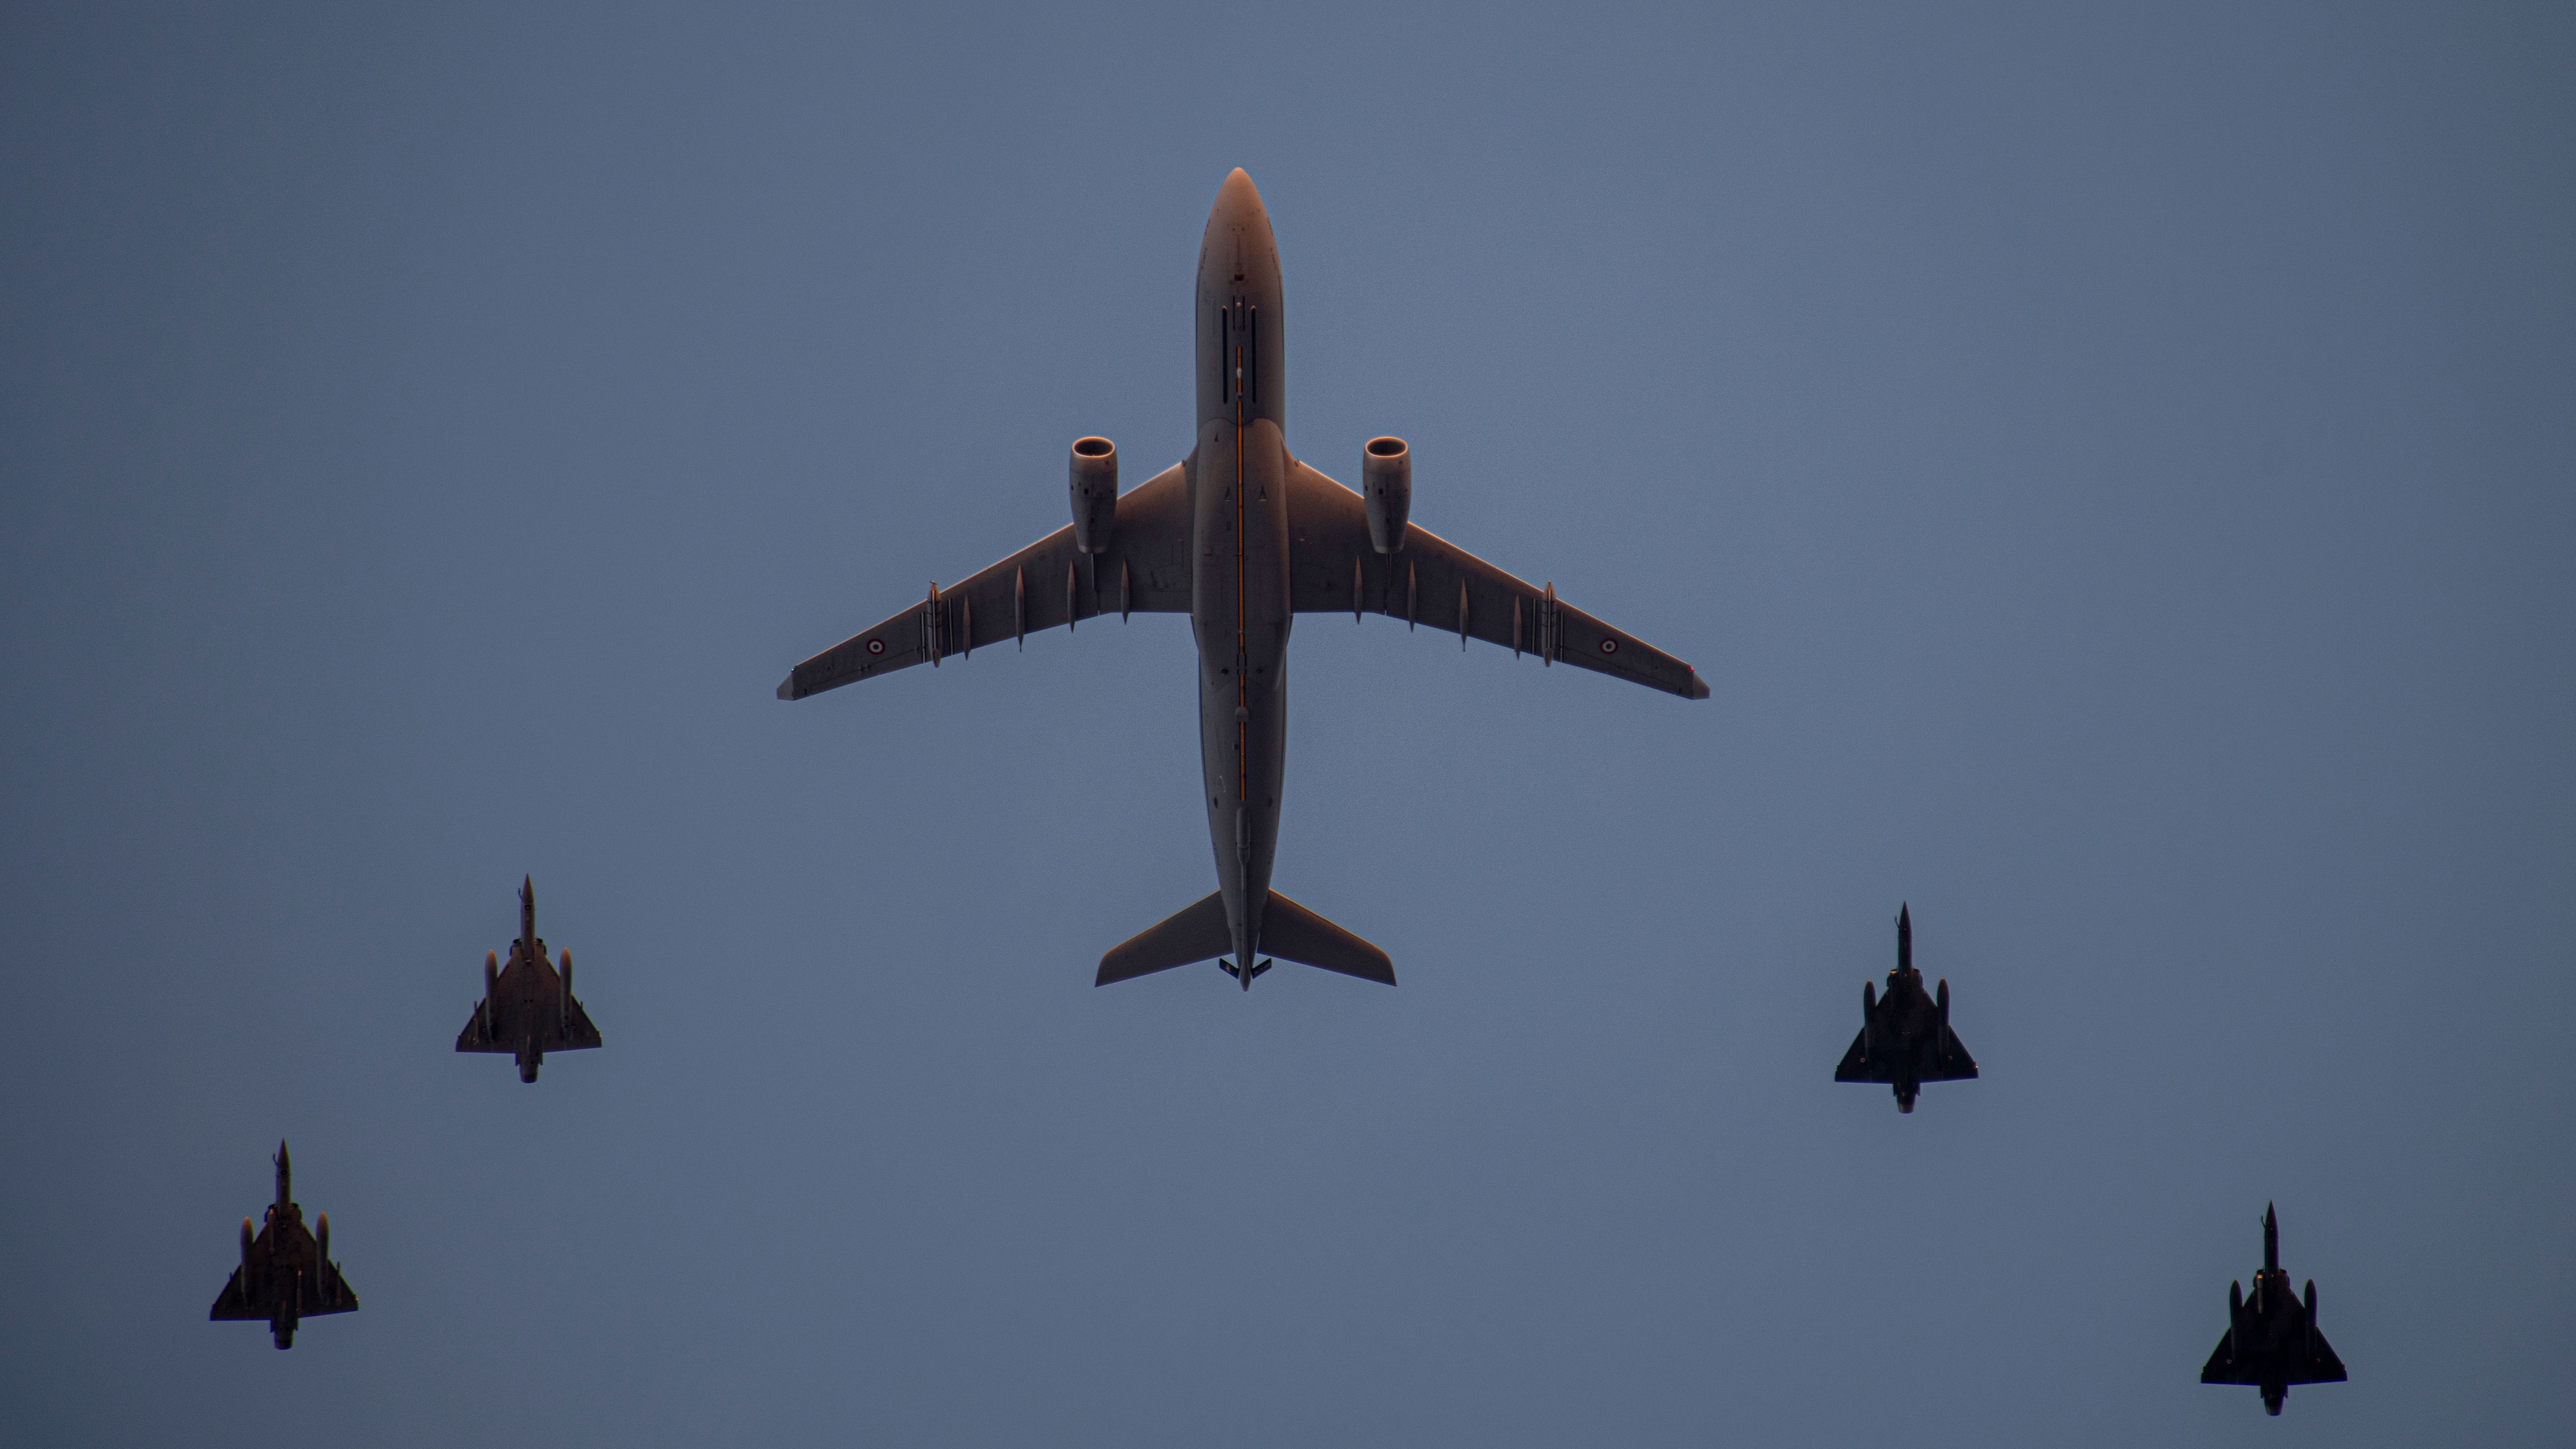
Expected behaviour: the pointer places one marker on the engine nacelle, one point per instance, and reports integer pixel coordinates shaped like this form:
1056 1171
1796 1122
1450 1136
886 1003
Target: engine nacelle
1386 481
1095 493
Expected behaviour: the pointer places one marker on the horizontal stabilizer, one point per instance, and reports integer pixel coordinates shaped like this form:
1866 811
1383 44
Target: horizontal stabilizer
1197 933
1291 932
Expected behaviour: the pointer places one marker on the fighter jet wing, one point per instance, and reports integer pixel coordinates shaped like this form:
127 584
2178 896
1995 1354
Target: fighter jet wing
1435 584
2221 1368
576 1033
1955 1065
278 1251
2322 1366
1857 1068
495 1026
1146 570
338 1300
231 1304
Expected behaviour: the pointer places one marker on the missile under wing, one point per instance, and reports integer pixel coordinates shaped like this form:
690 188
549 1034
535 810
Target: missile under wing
286 1273
2272 1340
528 1008
1905 1037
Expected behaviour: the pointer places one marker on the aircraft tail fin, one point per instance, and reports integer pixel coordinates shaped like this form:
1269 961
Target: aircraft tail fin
1291 932
1194 933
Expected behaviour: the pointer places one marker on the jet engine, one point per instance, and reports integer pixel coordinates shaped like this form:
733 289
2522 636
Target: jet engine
1095 493
1386 480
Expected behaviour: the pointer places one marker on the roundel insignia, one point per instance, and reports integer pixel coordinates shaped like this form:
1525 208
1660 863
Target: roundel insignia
1609 646
876 646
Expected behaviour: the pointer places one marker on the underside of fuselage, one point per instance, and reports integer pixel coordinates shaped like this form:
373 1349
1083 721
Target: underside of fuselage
1239 607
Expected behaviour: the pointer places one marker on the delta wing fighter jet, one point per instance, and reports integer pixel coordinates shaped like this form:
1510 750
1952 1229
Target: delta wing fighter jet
2272 1340
528 1007
1243 537
286 1272
1905 1037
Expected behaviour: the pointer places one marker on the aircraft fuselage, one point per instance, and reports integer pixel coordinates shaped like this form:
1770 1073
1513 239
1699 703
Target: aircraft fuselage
1239 608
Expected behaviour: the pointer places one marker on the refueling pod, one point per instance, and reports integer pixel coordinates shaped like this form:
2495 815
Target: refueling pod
1095 493
1386 480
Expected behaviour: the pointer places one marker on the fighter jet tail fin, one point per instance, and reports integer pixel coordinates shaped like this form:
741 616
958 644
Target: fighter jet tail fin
1196 933
1291 932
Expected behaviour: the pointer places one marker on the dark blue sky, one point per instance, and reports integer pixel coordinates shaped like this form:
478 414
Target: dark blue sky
2116 470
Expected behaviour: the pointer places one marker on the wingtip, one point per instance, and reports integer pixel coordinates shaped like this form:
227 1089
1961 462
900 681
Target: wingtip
1698 686
787 686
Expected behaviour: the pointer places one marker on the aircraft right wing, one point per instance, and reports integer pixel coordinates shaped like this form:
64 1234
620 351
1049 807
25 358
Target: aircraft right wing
1436 584
2221 1368
1858 1068
1146 570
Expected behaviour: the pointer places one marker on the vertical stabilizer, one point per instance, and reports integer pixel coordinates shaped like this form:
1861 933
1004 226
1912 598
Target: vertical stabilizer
2271 1241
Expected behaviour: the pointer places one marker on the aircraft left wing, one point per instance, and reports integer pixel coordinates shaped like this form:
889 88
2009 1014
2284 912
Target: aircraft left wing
1954 1064
1146 570
1434 583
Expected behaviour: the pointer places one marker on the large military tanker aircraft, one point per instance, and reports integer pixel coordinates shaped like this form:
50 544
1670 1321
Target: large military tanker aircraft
1242 537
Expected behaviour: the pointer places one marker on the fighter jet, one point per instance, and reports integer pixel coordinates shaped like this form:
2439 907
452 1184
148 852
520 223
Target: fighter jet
286 1272
2272 1340
1905 1036
1242 537
527 1006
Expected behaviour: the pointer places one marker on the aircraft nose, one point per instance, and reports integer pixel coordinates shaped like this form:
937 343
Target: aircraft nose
1238 199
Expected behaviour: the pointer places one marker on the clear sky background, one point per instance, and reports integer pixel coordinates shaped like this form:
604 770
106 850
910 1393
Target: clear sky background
2116 469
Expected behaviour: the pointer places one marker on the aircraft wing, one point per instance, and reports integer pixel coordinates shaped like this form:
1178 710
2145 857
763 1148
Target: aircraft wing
2221 1368
285 1253
1954 1063
1146 570
2322 1366
1857 1068
230 1303
496 1027
1435 584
